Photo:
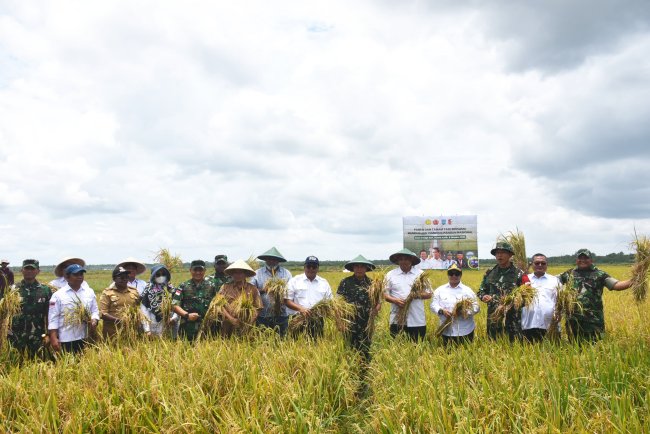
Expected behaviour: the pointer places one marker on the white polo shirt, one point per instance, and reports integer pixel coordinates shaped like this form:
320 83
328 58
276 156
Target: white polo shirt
445 297
398 285
307 293
540 312
64 300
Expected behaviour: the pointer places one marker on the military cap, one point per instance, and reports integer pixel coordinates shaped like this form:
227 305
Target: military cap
360 260
415 259
585 252
221 258
272 253
502 245
197 263
31 263
119 270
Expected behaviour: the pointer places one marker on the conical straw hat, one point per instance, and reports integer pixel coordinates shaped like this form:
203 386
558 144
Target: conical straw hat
240 264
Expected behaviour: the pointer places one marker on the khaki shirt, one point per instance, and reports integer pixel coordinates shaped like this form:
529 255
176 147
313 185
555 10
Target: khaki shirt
114 302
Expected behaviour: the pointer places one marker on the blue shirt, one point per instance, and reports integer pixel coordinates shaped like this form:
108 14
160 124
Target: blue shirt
262 275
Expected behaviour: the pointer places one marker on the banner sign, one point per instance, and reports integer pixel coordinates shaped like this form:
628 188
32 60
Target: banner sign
442 240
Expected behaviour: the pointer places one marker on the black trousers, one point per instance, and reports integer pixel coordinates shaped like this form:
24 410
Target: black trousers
534 335
456 340
73 347
414 333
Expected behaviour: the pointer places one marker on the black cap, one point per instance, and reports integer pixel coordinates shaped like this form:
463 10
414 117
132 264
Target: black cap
312 260
197 263
118 271
31 263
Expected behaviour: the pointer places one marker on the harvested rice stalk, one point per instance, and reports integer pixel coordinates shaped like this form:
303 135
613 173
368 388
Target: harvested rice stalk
166 311
421 285
335 308
518 243
169 260
253 262
243 308
641 267
566 303
213 314
129 328
78 315
277 291
519 297
376 291
460 310
9 307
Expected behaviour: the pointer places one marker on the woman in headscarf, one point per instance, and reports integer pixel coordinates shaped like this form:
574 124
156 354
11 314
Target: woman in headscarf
239 295
152 299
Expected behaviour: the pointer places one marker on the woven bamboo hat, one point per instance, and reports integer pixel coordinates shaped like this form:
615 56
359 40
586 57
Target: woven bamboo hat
272 253
359 260
58 270
415 259
240 265
140 267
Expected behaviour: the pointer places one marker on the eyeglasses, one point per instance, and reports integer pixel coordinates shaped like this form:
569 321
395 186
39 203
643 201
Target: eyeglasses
453 273
539 263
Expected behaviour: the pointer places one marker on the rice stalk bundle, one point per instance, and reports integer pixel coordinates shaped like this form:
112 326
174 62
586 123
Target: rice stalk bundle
566 303
166 311
376 291
243 308
276 289
641 267
421 285
460 310
168 259
78 315
129 329
213 314
9 307
335 308
253 262
519 297
518 243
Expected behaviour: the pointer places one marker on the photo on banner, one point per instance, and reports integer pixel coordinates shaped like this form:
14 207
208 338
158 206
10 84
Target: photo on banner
443 240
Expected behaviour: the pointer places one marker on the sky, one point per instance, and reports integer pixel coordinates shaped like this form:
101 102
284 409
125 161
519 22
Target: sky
213 127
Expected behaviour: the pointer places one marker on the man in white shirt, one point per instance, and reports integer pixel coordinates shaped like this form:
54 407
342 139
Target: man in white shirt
135 268
70 333
398 288
536 318
304 291
443 303
424 261
437 263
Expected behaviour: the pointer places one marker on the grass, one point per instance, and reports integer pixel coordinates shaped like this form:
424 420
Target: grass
268 385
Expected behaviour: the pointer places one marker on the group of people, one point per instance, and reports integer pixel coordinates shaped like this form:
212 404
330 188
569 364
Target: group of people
435 260
66 310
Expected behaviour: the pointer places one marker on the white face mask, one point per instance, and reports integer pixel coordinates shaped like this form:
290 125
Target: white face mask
160 279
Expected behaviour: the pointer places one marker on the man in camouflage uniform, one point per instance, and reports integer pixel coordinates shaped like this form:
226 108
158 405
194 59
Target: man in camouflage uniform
354 289
589 323
498 282
116 300
220 277
29 326
192 298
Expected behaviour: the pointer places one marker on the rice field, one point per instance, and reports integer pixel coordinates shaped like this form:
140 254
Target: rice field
263 384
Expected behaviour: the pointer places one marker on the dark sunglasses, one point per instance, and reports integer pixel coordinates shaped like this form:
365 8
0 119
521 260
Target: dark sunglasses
454 273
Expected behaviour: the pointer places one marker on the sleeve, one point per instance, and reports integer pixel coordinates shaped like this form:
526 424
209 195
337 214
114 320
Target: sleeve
104 303
475 306
177 296
482 290
94 310
609 281
291 290
255 282
342 290
387 284
435 302
328 290
54 314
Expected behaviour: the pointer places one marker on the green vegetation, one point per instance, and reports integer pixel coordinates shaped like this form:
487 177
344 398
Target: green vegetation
262 384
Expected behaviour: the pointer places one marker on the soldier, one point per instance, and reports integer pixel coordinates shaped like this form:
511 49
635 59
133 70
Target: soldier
192 298
29 326
220 277
589 322
354 289
60 281
6 275
66 333
116 300
271 270
499 281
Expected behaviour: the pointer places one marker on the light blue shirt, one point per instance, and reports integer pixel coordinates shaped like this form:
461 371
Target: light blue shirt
262 275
